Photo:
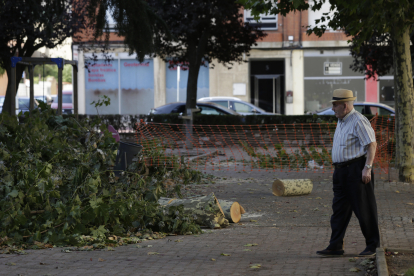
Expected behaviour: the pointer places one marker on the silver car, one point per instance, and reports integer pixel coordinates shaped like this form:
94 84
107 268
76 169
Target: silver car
365 108
233 103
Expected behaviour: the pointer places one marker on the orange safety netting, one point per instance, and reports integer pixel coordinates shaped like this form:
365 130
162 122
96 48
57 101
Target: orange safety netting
285 147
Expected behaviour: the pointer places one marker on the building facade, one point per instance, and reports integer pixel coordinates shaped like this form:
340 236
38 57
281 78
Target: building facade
288 72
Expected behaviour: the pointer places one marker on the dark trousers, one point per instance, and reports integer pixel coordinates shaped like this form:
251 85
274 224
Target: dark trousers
351 194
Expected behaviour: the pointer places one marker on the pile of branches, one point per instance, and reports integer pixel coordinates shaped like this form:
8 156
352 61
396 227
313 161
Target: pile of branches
57 184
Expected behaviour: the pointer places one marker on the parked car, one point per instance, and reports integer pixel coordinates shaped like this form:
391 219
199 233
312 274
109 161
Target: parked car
365 108
24 104
205 108
233 103
67 102
44 98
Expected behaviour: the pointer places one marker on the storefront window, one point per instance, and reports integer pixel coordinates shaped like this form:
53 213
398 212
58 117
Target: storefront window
318 92
326 72
137 86
102 79
386 92
171 83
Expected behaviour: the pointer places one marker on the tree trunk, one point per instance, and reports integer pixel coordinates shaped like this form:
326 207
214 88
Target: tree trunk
196 49
232 210
7 99
193 70
206 209
292 187
404 104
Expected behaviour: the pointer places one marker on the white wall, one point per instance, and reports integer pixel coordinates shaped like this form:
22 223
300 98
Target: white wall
61 51
298 83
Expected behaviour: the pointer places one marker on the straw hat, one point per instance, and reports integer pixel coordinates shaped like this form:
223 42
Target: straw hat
342 95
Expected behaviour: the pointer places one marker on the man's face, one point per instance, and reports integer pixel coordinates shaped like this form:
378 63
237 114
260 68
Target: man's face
339 109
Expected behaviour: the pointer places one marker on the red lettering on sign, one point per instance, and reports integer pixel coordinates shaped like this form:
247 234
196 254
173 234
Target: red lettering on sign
107 70
135 64
96 80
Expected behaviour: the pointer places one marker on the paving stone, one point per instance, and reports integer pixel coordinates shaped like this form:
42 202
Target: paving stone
287 240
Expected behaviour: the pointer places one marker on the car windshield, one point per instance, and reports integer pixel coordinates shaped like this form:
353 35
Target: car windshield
24 103
66 98
222 103
323 109
220 109
207 110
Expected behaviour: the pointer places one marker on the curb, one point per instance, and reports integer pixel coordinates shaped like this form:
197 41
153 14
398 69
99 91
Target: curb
382 267
400 250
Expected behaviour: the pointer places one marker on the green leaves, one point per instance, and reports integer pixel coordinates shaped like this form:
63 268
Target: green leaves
56 185
95 202
297 3
99 232
13 193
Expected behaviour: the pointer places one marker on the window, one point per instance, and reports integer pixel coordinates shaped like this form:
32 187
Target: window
380 111
210 111
386 92
179 109
222 103
66 98
24 103
241 107
266 22
372 110
111 21
363 109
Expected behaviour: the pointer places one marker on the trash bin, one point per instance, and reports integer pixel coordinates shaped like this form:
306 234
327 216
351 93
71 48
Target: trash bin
126 152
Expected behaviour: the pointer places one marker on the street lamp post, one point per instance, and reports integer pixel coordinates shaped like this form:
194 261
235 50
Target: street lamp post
178 83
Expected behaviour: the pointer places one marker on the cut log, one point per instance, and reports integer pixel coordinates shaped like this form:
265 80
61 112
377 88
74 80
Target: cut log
242 211
292 187
231 209
207 209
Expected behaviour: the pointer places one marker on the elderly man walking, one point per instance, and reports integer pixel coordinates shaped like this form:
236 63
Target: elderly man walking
353 153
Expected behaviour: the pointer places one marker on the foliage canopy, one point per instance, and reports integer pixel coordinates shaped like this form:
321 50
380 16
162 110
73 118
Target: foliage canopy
27 26
202 31
134 20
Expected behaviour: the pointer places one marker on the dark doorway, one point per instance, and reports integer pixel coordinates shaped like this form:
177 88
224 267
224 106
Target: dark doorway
265 95
267 85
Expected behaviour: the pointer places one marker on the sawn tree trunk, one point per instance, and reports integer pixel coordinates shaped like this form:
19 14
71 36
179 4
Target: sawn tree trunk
292 187
206 208
232 210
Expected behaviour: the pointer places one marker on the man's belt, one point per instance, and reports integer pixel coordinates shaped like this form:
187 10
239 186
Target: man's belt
347 163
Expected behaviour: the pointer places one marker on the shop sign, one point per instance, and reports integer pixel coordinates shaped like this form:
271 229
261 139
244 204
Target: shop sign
332 68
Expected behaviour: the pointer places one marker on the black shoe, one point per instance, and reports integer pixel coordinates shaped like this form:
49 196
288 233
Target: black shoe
330 253
367 253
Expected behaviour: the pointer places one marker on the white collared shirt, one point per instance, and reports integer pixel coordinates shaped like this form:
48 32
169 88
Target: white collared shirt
352 136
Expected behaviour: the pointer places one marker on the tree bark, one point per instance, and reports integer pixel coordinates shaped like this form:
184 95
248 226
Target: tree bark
404 104
196 50
19 72
292 187
232 210
206 209
26 51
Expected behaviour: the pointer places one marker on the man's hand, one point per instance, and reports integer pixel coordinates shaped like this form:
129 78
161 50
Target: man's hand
366 175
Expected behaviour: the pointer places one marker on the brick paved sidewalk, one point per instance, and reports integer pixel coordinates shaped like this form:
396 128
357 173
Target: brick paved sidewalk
288 231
